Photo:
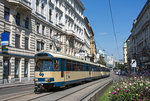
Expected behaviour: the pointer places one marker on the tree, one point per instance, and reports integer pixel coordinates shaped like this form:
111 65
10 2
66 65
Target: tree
118 65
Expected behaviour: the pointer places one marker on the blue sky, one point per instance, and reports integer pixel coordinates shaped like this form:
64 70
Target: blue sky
124 12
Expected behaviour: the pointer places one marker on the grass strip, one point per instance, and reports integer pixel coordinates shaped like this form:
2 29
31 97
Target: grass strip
104 96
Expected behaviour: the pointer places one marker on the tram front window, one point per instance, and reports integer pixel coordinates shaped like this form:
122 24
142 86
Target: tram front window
44 65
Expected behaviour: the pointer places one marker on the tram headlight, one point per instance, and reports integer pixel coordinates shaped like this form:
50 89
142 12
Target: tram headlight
47 80
35 80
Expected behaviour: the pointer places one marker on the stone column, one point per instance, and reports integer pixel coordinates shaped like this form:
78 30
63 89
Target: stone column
31 68
12 67
29 65
21 69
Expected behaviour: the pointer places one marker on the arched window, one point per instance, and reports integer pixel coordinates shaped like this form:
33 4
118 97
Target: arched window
18 19
42 9
50 14
37 5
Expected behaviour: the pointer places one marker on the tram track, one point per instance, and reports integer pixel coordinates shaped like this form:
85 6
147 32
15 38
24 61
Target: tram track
59 96
54 95
82 90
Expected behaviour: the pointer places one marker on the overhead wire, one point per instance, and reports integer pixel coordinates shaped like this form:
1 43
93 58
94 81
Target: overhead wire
113 25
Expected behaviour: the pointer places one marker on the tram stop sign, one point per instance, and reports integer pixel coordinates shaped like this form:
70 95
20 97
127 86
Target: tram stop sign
133 63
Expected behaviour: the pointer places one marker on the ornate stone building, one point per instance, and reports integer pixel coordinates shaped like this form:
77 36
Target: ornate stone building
139 40
32 26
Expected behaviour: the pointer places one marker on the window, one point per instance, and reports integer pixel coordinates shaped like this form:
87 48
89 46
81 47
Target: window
56 17
58 49
68 65
27 23
17 41
16 74
44 65
88 67
74 66
51 32
37 5
37 27
26 43
25 68
50 47
6 13
43 29
42 9
40 46
50 14
18 19
56 65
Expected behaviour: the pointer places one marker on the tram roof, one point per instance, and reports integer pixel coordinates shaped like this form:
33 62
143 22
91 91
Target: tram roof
64 56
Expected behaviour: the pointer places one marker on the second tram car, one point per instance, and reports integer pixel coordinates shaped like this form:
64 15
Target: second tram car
57 70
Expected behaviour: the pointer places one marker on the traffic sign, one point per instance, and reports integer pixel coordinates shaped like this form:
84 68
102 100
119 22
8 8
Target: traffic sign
133 63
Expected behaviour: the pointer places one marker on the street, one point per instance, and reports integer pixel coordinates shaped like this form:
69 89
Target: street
24 93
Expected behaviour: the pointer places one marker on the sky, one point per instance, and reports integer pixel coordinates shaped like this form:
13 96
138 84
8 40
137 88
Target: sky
99 16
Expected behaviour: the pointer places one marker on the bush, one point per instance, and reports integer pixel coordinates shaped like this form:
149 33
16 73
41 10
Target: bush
131 89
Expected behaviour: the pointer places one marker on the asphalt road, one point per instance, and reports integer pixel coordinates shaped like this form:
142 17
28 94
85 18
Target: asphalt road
17 89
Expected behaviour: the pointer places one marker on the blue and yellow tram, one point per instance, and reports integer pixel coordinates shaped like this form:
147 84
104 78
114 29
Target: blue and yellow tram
57 70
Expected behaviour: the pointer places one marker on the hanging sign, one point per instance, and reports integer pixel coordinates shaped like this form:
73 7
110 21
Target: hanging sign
4 38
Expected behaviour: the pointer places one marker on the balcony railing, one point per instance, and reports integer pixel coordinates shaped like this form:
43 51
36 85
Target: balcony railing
24 2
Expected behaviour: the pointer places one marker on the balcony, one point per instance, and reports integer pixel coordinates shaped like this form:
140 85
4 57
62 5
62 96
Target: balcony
23 3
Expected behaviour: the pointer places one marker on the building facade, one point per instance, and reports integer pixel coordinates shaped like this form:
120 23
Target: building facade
92 46
125 53
36 25
139 40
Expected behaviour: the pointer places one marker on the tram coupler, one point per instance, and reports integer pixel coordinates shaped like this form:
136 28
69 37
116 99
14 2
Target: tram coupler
38 88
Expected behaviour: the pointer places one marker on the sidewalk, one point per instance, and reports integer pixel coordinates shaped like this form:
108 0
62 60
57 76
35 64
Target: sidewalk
7 85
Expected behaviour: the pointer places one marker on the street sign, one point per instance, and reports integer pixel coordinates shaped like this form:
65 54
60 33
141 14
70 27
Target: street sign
4 39
133 63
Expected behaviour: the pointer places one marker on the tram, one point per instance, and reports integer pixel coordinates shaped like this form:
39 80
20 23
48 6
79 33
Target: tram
58 70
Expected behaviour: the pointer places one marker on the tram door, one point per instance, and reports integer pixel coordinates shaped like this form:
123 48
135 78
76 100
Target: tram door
92 70
62 69
89 70
6 69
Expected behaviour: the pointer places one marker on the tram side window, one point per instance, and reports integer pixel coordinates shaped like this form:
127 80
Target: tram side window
74 66
81 67
77 66
98 68
93 68
69 65
56 65
88 67
101 69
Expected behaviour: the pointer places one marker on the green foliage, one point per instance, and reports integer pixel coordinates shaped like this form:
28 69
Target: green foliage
131 89
104 96
119 66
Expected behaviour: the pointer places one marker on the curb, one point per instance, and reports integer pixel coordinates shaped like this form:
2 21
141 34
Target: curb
15 85
99 92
